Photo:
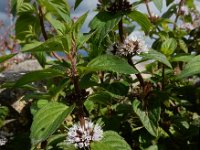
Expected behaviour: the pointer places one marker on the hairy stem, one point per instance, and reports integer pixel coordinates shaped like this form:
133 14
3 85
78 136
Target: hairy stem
75 80
41 18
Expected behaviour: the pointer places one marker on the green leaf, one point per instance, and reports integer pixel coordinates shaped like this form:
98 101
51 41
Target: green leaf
148 118
111 141
24 23
37 76
152 54
25 8
110 63
6 57
101 97
103 22
58 43
82 39
76 27
58 25
59 8
183 45
168 46
159 4
168 2
192 68
37 105
77 3
141 19
182 58
47 120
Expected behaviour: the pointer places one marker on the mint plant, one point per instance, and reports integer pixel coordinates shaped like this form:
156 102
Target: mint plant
91 101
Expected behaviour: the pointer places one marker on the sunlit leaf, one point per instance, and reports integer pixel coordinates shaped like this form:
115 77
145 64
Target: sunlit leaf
141 19
155 55
47 120
111 141
110 63
192 68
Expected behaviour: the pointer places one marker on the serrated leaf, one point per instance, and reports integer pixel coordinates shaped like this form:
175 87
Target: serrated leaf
159 4
111 141
24 23
148 118
47 120
183 45
103 23
58 43
168 46
152 54
192 68
25 8
110 63
59 8
37 76
141 19
6 57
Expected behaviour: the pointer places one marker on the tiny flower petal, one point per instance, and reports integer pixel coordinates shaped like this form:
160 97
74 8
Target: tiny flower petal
83 136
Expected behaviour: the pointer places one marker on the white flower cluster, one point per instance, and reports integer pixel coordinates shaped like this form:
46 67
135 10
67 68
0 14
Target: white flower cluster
131 46
82 136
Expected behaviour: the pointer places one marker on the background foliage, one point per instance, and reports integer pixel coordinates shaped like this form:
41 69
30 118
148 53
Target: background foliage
160 111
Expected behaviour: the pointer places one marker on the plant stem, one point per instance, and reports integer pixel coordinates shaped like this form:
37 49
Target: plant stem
120 26
178 13
41 17
138 75
75 80
148 9
163 77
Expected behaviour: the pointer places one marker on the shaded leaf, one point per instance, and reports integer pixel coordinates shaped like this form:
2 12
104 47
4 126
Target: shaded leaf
110 63
192 68
148 118
47 120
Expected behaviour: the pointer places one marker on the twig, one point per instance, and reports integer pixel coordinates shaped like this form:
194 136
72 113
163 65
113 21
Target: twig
148 9
41 16
178 13
75 79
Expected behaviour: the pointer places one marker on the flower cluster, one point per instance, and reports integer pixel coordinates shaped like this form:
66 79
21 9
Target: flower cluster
82 136
131 46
